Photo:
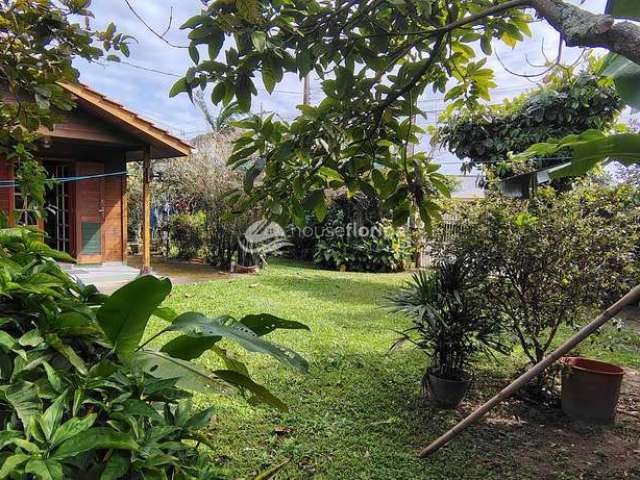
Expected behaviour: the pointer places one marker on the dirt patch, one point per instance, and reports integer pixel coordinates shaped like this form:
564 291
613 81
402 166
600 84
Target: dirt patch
518 440
181 272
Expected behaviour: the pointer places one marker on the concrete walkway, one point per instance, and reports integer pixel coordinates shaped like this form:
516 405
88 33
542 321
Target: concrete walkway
107 276
110 276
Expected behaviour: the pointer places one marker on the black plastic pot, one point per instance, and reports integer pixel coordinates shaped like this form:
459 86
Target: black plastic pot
590 390
447 393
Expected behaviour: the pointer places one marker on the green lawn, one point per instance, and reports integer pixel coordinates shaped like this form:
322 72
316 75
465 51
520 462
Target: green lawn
356 414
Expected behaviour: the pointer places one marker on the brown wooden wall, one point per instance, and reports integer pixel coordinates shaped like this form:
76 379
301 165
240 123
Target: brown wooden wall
6 194
101 200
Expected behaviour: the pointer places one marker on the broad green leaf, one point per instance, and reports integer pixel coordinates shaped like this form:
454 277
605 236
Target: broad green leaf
264 323
117 467
626 76
50 419
197 325
8 436
259 40
23 397
629 9
67 352
188 348
200 419
260 393
12 463
194 54
72 427
94 439
330 174
44 469
179 87
188 375
124 315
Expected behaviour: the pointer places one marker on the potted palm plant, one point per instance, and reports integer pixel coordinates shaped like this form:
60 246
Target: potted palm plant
450 324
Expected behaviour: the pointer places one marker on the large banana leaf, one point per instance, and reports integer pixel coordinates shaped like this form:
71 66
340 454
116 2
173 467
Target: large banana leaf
589 149
191 377
196 325
124 315
626 75
629 9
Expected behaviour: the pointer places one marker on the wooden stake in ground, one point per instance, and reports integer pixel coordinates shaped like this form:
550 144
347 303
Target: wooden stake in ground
632 297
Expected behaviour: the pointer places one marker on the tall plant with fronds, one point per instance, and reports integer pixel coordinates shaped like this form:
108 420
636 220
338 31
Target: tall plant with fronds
450 323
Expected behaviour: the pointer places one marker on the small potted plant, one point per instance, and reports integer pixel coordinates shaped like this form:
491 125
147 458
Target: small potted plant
451 325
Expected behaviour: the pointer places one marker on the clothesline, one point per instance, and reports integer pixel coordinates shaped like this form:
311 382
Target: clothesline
12 183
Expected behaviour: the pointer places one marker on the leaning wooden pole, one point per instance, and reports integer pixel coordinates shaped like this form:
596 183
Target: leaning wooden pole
146 211
631 297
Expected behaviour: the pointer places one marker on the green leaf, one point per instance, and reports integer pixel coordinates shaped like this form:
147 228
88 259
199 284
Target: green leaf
259 40
50 419
330 174
95 439
23 397
194 54
67 352
185 347
12 463
200 419
117 467
124 315
197 325
8 436
626 76
179 87
264 323
629 9
44 469
188 375
72 427
243 382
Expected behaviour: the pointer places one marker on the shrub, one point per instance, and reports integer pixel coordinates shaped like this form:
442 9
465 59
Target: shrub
451 322
354 237
187 233
545 261
83 396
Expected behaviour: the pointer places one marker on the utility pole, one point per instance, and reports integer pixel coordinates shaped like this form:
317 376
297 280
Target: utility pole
306 92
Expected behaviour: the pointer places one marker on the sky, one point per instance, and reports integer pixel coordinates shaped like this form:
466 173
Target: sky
146 91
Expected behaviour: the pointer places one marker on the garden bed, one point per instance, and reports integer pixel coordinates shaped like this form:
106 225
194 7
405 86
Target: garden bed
356 415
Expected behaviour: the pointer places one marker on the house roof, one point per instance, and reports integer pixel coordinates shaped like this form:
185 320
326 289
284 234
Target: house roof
163 144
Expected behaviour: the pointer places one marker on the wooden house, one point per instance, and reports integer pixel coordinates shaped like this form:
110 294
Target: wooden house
89 151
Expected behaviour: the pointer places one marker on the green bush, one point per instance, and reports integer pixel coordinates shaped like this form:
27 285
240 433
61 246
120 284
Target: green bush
355 237
83 395
549 261
187 232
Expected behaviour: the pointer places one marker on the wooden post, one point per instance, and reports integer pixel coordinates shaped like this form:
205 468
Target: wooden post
146 211
632 297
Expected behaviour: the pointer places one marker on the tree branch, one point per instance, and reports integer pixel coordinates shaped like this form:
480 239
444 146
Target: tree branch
581 28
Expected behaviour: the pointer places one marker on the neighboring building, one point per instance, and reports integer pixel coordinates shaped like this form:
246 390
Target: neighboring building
89 151
468 187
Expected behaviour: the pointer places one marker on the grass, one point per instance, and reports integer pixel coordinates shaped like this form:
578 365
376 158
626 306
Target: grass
356 414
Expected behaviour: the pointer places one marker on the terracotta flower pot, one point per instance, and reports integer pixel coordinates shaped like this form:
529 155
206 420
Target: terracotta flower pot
447 393
590 390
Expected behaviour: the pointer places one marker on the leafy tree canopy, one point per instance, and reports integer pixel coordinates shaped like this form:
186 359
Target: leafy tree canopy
375 58
39 40
567 104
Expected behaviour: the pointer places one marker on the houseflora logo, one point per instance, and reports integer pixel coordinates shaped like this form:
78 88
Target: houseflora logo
264 237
